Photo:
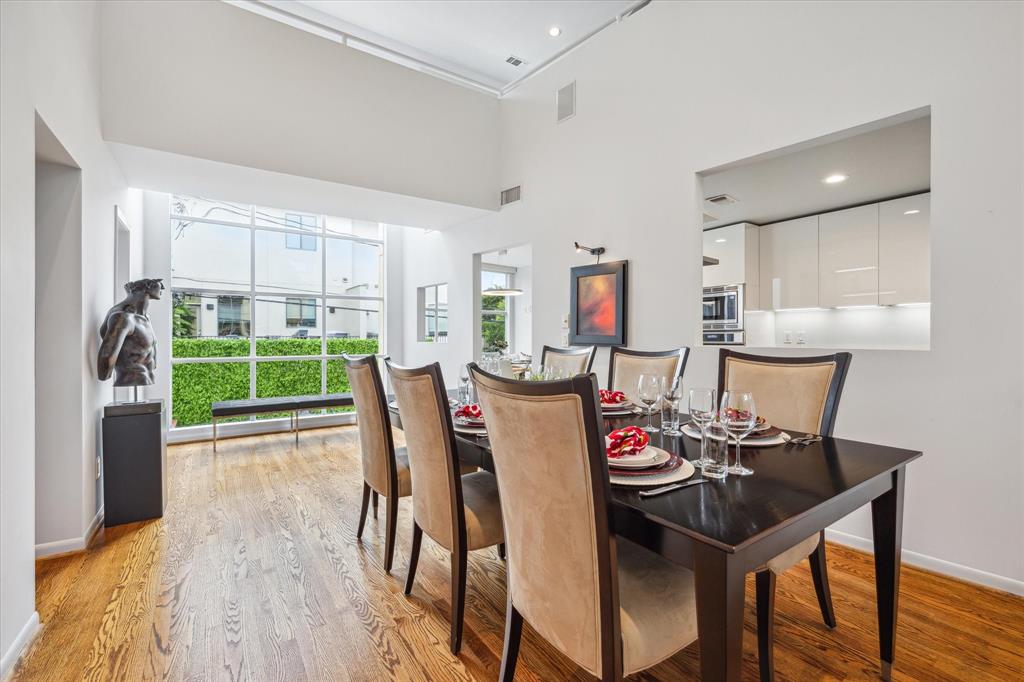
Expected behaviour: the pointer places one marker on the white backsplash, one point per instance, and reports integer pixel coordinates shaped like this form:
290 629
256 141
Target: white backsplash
892 328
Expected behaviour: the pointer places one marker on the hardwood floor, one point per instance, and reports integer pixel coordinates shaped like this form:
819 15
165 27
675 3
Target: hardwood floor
254 574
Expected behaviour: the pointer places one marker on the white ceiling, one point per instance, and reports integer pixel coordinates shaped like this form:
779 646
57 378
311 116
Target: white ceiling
470 38
881 163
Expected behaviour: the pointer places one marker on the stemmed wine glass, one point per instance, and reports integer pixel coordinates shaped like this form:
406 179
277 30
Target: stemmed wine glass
464 384
739 416
649 390
671 397
701 407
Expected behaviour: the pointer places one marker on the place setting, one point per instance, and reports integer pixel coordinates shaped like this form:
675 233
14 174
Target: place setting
616 404
469 420
633 461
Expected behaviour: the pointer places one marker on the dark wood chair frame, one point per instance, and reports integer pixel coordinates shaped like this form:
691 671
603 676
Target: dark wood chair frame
683 354
459 550
391 494
584 386
765 580
590 351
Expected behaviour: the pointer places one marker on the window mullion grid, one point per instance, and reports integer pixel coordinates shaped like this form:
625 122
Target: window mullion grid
252 304
323 303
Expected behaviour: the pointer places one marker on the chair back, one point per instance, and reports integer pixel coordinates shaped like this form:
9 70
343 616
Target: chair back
626 365
795 393
376 443
430 443
569 361
550 462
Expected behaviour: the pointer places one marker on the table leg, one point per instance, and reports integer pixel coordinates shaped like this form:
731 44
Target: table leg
887 526
719 585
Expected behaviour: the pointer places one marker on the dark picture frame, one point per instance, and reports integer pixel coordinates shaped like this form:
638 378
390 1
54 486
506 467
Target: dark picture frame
597 304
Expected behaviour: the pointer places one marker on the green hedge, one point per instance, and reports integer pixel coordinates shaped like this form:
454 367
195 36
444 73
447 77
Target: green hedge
194 387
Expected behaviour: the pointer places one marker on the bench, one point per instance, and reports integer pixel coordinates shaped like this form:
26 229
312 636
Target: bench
293 404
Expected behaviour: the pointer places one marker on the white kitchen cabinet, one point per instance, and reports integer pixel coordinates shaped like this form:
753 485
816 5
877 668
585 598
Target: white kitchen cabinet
904 252
736 248
848 257
789 264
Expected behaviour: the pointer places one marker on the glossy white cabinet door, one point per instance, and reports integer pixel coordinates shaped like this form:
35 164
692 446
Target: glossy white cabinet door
789 264
752 267
848 257
726 245
904 250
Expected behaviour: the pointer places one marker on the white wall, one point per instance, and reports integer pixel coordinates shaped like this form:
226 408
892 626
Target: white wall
213 81
659 100
50 57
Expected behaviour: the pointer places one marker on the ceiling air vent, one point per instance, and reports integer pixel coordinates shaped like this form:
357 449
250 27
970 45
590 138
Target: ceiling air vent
511 194
515 61
565 102
721 199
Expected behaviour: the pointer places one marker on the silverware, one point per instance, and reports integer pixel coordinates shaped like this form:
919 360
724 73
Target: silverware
670 488
806 439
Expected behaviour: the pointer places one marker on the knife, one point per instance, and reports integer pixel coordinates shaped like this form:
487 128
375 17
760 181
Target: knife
670 488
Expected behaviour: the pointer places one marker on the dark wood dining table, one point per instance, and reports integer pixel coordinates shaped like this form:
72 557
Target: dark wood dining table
727 528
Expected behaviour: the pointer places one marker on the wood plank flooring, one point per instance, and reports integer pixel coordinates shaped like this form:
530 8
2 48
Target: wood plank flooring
254 574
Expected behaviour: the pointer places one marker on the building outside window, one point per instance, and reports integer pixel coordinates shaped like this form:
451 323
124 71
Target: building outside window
266 301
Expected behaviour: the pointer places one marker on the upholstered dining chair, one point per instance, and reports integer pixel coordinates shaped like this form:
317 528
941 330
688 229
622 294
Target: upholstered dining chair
800 394
569 361
385 469
626 365
611 606
460 513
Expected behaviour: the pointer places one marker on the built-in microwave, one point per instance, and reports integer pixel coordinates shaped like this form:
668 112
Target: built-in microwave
723 308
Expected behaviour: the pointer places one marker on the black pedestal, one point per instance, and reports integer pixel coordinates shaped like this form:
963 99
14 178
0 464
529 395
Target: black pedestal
134 462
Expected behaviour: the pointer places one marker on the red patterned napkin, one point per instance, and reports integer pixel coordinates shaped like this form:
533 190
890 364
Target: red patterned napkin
629 440
470 413
609 397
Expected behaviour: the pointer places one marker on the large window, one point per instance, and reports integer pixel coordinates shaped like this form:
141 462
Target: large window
433 313
495 313
266 301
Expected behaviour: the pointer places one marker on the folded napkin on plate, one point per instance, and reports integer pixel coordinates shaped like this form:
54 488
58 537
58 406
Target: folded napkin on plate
629 440
609 397
470 412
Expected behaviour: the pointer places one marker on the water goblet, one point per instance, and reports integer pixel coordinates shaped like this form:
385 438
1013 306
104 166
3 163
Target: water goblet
702 408
649 390
739 416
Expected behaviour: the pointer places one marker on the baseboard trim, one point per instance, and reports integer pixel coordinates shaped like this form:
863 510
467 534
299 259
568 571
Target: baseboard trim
20 645
930 563
49 550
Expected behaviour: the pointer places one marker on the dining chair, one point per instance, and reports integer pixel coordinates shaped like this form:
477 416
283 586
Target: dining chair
611 606
569 360
801 394
625 366
459 512
385 469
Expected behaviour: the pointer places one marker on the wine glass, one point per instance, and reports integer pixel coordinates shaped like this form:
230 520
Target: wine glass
701 407
671 397
739 416
649 390
463 384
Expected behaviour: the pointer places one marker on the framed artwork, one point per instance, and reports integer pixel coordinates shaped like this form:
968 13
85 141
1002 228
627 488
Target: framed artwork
597 304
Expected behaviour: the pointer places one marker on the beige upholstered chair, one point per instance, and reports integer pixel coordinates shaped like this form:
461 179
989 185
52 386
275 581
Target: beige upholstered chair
625 367
800 394
385 469
569 361
460 513
609 605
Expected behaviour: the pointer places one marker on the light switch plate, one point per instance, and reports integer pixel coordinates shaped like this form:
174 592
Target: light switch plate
801 337
565 321
565 338
787 336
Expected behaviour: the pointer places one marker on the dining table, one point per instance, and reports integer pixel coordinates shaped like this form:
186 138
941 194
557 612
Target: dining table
726 528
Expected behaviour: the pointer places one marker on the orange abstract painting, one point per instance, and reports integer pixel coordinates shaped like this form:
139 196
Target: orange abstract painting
596 305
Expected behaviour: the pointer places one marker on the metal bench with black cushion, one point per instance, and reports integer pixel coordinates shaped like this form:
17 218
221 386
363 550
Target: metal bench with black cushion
292 404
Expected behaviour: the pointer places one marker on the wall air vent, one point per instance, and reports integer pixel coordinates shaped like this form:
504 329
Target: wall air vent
721 199
565 102
511 194
515 61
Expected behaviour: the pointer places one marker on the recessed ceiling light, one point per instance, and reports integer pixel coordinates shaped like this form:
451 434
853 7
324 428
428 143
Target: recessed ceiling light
911 212
554 31
719 241
835 178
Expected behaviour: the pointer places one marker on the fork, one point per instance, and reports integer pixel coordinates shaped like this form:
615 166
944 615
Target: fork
806 439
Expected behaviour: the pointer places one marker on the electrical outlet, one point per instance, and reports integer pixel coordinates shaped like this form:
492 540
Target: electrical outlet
801 337
565 338
787 336
99 466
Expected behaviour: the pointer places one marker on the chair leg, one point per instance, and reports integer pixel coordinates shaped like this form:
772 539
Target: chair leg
765 581
458 598
501 551
414 556
362 510
375 504
819 572
391 530
513 633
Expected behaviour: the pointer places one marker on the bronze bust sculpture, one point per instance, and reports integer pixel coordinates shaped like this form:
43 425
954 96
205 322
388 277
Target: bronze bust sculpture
129 344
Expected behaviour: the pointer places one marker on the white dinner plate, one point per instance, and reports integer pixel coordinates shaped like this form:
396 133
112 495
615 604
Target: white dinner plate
470 430
463 421
650 457
781 439
684 472
626 405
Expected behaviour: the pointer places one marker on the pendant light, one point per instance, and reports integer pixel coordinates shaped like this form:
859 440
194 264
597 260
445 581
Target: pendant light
495 290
